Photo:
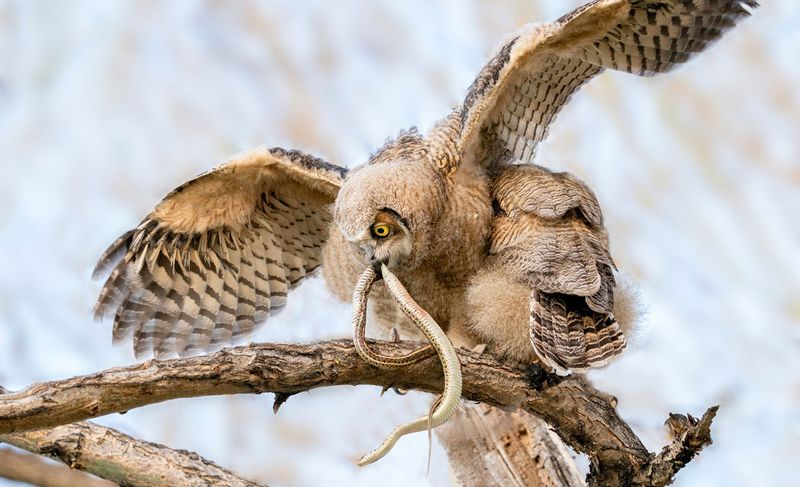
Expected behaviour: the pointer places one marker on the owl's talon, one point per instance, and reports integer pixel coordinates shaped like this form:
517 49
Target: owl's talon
479 348
539 377
610 399
400 391
280 398
395 335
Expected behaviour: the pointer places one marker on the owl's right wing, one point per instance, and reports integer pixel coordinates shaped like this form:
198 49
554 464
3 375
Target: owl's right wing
548 234
219 253
521 90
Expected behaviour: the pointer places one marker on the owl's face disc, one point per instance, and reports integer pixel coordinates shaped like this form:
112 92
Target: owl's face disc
387 210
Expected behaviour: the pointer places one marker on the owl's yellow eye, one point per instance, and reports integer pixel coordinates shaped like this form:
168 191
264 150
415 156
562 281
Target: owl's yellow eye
381 230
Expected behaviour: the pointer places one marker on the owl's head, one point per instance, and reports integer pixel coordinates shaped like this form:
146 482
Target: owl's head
387 211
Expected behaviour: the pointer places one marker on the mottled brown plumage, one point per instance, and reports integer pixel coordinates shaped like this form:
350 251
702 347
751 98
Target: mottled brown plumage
219 253
496 249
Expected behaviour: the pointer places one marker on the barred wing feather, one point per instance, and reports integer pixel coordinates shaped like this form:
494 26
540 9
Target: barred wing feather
219 254
519 92
548 234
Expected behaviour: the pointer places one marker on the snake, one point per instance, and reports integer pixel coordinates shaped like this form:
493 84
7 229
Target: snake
362 290
446 404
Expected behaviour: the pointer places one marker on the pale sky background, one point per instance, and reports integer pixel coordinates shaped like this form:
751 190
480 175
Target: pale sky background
107 105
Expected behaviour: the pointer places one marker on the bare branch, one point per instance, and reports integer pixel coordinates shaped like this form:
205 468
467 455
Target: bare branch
690 435
583 417
112 455
35 470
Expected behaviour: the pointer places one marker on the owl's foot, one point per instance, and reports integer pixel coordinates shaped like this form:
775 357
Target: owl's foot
400 391
479 349
538 377
280 398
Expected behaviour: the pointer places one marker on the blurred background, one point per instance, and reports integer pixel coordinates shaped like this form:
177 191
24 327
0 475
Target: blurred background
107 105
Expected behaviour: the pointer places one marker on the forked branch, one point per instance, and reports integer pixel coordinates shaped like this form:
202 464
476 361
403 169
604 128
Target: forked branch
582 416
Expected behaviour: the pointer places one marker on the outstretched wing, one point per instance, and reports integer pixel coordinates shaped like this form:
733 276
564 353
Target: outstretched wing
519 92
219 253
548 233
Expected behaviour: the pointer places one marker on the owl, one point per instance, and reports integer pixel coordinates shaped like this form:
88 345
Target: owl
498 250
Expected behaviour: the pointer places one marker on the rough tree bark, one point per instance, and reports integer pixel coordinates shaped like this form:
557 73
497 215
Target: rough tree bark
582 416
118 457
33 469
115 456
489 446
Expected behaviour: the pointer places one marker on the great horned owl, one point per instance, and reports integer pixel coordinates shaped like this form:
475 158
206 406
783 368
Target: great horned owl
498 250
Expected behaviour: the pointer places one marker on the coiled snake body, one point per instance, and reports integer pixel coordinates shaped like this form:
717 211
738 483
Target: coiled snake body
445 406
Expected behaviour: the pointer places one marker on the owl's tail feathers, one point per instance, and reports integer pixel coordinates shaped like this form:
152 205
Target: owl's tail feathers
569 336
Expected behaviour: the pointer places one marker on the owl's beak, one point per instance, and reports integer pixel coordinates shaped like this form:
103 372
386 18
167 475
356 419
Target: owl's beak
374 262
377 264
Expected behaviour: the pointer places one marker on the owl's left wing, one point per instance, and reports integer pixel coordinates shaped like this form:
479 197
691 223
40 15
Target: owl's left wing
548 233
520 91
219 253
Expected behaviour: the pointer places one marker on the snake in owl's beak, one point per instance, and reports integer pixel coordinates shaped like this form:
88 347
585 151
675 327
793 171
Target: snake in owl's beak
376 265
445 405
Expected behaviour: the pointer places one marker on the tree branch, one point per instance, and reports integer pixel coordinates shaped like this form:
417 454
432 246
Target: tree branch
582 416
35 470
489 446
690 435
115 456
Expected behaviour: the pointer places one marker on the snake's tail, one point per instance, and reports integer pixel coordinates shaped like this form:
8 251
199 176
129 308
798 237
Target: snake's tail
430 431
